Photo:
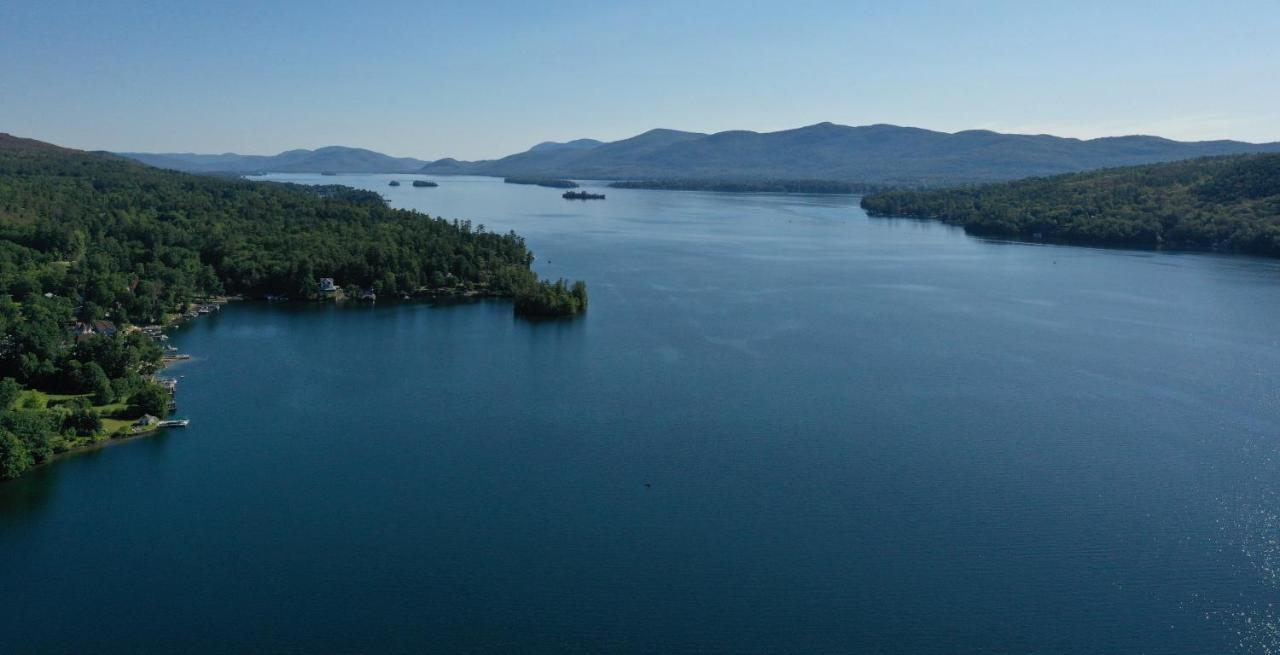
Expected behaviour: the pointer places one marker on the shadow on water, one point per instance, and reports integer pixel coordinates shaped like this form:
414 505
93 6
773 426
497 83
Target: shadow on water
20 497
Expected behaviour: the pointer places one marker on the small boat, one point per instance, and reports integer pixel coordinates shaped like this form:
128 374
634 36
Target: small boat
174 423
582 195
395 183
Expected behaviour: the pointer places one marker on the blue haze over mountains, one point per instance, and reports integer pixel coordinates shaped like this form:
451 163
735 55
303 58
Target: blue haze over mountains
881 154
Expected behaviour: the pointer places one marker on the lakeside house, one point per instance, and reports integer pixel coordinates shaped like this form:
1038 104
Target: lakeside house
327 285
82 331
147 421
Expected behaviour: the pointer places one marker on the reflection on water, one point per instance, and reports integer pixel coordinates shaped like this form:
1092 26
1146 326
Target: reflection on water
781 427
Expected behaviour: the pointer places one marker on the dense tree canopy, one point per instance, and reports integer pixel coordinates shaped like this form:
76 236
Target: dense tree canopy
1226 203
92 244
548 299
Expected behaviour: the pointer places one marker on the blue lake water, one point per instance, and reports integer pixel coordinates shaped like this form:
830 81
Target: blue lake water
782 427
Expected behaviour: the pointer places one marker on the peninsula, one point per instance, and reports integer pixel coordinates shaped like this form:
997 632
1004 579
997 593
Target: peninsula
1214 203
542 181
94 246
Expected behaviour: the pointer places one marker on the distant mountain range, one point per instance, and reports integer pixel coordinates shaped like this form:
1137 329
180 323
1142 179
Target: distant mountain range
875 154
870 154
336 159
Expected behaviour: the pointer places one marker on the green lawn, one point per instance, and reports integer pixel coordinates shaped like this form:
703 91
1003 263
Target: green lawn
111 413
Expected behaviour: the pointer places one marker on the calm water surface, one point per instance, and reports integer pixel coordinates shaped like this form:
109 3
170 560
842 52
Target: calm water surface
783 427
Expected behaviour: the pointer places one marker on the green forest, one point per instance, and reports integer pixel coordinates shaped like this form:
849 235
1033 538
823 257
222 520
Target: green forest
553 299
92 239
1215 203
542 181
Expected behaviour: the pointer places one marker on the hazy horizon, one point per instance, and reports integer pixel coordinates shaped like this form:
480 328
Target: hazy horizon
524 148
483 82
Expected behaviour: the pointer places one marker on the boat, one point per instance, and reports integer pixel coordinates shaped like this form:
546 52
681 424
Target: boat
582 195
174 423
327 173
424 183
395 183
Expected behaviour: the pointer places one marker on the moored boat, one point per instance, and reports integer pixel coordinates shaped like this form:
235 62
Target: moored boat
582 195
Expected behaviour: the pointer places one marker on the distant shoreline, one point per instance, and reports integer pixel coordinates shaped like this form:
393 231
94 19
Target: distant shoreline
824 187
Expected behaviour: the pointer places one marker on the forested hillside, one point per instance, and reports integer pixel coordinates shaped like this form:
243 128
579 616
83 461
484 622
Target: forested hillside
336 159
1224 203
93 243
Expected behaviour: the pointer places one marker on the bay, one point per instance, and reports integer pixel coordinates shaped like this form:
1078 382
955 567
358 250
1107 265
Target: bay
782 426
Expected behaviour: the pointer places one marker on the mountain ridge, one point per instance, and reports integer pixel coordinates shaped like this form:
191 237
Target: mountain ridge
880 153
876 154
337 159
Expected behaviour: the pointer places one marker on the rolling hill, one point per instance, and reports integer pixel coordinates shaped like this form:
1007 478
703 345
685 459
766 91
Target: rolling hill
1213 203
337 159
871 154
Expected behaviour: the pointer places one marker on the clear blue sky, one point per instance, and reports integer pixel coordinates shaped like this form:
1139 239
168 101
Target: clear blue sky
475 80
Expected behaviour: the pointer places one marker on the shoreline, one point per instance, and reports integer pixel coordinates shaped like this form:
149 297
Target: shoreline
127 434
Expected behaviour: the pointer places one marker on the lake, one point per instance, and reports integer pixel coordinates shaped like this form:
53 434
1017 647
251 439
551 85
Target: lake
782 427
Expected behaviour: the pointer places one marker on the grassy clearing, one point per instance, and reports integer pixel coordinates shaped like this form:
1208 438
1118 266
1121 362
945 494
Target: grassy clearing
116 417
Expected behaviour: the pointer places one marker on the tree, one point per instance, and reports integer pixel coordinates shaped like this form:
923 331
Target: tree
9 390
94 380
152 399
82 419
14 458
36 428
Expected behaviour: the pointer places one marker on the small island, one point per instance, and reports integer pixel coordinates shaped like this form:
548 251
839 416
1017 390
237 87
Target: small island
543 299
582 195
424 183
542 181
395 183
